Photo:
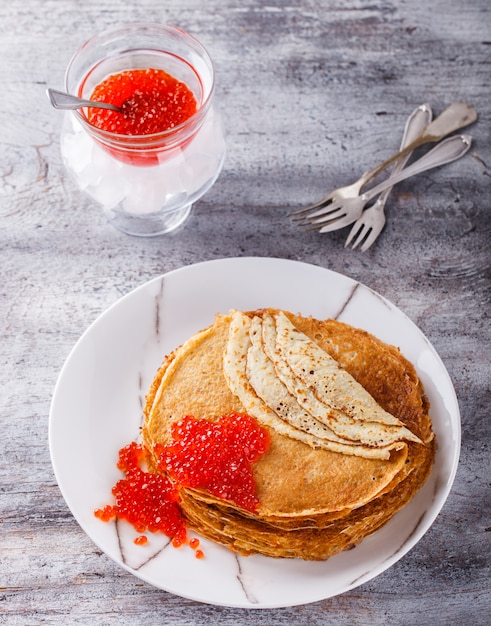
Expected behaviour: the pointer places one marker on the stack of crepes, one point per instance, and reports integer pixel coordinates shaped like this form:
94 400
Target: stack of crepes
351 440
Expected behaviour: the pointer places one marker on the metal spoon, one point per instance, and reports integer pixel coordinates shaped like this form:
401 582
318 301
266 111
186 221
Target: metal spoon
62 100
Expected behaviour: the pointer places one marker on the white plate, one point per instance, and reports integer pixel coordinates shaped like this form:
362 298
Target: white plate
96 409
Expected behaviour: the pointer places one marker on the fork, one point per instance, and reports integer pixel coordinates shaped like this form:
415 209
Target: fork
350 208
372 221
455 116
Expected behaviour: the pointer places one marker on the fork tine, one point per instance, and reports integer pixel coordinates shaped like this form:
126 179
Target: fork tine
368 227
355 235
363 235
326 220
370 239
323 214
334 220
312 207
335 224
320 204
326 226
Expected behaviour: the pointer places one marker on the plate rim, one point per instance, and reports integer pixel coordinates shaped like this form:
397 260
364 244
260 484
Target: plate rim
203 265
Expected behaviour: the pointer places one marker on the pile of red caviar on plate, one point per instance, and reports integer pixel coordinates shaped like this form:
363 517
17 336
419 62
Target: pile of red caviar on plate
151 100
214 456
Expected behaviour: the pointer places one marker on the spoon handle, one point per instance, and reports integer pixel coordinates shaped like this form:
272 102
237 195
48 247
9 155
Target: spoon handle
62 100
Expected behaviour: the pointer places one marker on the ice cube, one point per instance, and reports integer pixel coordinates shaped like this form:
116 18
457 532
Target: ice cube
76 150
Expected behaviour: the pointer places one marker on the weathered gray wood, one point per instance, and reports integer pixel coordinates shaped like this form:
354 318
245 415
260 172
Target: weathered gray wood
312 94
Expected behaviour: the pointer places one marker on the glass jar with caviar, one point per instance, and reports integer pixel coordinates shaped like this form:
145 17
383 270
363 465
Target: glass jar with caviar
147 163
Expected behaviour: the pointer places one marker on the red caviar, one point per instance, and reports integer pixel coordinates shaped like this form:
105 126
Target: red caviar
151 100
141 540
216 456
147 501
107 513
194 543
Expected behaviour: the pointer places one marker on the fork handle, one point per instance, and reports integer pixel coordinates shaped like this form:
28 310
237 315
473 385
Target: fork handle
457 115
445 152
416 125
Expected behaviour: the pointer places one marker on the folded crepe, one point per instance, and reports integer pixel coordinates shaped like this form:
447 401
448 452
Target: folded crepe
350 436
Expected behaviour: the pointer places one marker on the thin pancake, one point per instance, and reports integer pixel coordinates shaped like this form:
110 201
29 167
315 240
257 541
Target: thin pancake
313 502
248 536
292 479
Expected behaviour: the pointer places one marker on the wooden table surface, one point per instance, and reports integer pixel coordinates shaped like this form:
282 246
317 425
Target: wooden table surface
312 93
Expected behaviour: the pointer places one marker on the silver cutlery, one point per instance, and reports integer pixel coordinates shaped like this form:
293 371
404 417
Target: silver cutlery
349 208
62 100
370 224
455 116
